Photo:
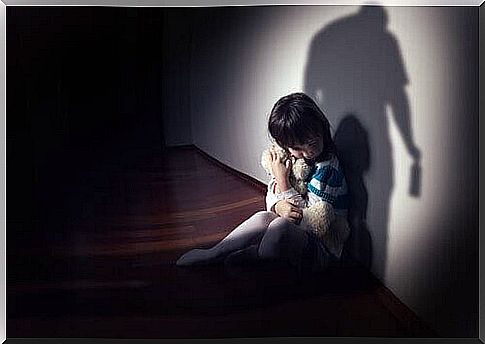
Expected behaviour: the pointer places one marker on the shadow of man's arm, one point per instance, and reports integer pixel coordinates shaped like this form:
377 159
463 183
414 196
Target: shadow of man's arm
400 110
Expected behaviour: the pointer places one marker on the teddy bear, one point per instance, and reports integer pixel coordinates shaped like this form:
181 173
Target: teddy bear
300 170
316 218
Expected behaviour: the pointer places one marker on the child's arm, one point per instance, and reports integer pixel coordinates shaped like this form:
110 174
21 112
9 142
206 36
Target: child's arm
279 187
274 195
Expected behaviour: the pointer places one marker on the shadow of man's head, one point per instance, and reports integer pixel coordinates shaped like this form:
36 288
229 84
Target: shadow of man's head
375 16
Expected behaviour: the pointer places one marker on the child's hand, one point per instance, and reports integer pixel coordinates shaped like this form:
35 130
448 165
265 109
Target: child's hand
276 188
280 170
286 209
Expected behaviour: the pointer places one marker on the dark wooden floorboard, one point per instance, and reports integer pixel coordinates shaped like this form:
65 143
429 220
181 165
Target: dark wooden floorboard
99 261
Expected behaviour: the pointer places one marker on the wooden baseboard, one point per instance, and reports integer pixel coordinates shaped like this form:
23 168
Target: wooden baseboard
252 181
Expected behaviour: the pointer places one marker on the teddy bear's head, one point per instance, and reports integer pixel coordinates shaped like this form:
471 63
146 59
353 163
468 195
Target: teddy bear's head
300 170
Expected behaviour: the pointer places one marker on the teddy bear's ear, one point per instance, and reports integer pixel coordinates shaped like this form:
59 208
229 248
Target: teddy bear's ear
265 161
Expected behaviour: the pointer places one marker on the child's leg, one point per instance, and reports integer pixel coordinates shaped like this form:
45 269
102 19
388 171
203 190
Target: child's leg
283 240
241 237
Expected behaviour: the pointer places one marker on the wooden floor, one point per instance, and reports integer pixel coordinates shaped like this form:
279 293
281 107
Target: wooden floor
99 262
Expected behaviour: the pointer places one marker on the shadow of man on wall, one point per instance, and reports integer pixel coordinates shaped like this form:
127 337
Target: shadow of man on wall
355 72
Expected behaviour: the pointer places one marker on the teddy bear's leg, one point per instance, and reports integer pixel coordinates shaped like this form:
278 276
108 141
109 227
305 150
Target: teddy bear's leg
241 237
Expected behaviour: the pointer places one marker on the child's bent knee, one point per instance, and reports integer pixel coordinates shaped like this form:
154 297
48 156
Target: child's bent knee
264 213
266 216
279 222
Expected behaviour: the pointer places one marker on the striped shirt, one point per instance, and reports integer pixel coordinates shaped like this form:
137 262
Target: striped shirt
327 183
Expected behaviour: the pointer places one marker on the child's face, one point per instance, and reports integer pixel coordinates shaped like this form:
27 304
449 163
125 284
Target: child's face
309 150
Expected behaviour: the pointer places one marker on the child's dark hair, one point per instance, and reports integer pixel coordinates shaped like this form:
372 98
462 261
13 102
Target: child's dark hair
295 119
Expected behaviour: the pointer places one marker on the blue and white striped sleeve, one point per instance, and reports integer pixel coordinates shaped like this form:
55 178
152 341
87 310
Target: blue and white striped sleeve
328 184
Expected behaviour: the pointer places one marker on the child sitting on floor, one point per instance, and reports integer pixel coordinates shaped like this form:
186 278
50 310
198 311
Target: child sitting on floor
298 125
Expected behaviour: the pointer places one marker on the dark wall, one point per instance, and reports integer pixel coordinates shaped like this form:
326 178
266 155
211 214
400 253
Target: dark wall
481 87
83 87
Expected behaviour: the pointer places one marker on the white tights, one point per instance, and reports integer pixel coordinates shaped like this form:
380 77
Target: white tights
275 236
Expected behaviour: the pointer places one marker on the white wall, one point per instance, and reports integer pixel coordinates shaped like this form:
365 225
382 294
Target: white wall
423 248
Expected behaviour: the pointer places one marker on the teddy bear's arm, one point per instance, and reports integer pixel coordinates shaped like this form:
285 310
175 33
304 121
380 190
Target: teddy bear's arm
318 217
331 228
